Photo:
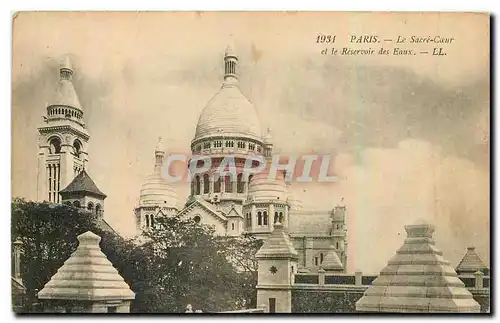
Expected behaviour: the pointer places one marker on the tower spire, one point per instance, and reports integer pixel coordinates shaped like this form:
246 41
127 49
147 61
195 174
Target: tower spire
66 71
230 64
159 155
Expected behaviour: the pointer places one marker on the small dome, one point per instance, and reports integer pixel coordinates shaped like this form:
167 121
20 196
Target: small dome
229 113
261 188
158 192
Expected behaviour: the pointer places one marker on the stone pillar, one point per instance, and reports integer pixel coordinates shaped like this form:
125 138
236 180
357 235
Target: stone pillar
202 185
358 278
17 260
478 279
309 253
286 221
211 188
321 276
254 217
270 219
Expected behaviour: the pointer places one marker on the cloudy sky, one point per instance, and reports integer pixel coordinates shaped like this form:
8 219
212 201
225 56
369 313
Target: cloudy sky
410 134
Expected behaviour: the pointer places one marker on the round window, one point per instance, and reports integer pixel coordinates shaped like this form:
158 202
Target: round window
197 219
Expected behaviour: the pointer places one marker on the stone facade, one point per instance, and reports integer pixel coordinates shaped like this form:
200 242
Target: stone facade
242 203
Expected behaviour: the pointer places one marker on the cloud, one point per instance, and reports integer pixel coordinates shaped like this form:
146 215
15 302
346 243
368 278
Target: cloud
388 188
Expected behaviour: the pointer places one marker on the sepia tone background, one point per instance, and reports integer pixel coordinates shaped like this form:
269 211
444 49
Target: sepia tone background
410 134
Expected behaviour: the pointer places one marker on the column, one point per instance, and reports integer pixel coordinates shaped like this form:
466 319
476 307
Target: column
358 275
285 218
479 280
321 276
254 217
202 185
211 185
271 217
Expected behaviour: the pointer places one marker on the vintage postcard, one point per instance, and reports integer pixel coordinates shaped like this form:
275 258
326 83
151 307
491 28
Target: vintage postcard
250 162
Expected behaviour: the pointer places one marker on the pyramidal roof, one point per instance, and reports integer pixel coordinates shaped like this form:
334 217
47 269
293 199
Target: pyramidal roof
417 279
471 262
332 261
277 245
83 183
87 275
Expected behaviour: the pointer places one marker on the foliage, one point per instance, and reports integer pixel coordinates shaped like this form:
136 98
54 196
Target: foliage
176 263
325 302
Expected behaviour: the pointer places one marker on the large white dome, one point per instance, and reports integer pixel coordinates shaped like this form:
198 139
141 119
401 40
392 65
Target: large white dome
261 188
156 191
229 113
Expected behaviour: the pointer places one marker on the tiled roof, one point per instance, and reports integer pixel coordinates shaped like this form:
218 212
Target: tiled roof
471 262
87 275
82 183
317 223
277 245
418 279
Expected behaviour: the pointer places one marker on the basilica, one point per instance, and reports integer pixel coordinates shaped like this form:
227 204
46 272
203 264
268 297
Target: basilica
228 126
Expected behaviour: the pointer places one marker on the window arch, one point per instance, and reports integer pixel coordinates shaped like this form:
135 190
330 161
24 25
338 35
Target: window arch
77 148
206 184
239 183
259 218
90 206
197 185
217 185
265 217
98 209
76 204
228 184
54 145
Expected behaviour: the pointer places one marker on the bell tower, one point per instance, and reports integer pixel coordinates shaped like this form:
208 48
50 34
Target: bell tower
62 139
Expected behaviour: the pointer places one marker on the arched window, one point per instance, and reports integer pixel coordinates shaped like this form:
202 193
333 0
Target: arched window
280 217
54 146
228 184
321 258
276 217
232 226
147 220
77 148
90 206
265 217
152 220
217 185
239 183
337 245
98 209
315 261
76 204
259 218
206 184
197 185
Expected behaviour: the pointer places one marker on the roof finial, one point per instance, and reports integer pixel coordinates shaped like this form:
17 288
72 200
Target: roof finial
230 63
159 146
66 71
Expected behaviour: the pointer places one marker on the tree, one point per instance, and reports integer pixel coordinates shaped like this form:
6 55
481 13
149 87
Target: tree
189 264
178 262
48 233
